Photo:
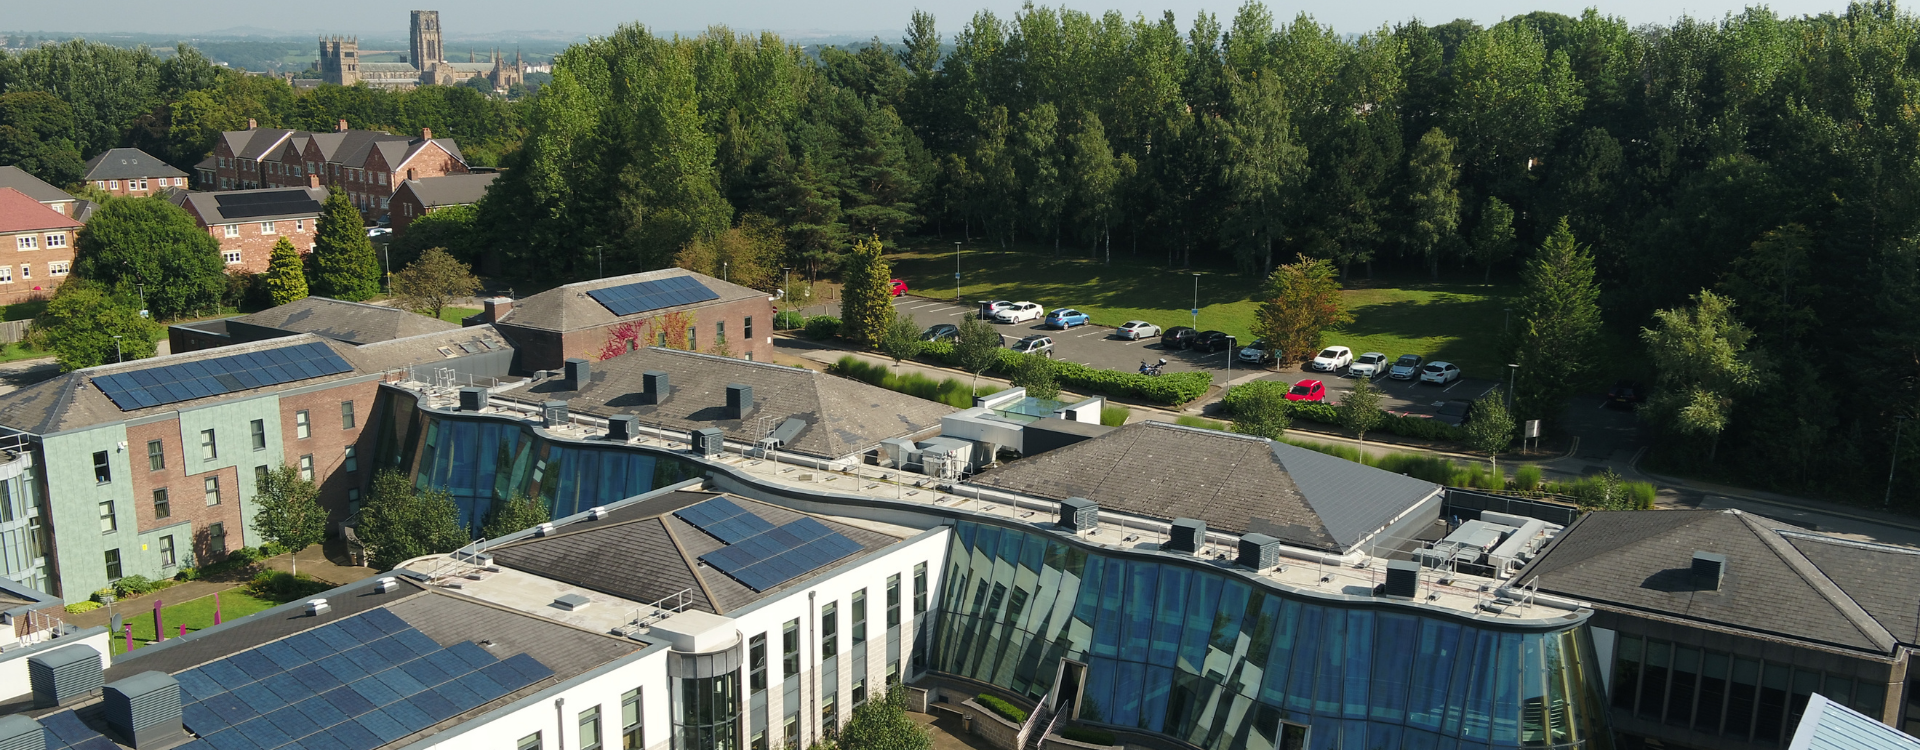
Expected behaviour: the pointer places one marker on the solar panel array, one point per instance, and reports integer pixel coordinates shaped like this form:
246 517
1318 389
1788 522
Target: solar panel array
356 684
778 555
640 297
289 202
723 520
64 731
139 389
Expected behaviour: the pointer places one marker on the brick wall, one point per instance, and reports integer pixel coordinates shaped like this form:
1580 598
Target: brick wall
140 187
327 440
186 492
34 274
255 244
544 350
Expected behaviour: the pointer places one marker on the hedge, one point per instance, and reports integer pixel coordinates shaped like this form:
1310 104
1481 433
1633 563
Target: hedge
1172 389
949 391
1329 414
821 327
788 320
1003 708
1089 736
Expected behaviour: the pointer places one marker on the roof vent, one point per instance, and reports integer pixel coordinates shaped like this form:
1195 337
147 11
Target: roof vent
144 710
577 373
386 585
571 602
623 427
17 732
597 512
1403 579
318 607
654 388
554 414
1188 535
473 399
739 400
1259 551
709 441
64 675
1079 514
1709 570
545 529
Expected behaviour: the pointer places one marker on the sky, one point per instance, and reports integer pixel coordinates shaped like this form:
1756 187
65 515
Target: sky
864 17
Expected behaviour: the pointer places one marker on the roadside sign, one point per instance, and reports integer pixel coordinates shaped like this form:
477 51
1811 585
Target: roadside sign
1533 428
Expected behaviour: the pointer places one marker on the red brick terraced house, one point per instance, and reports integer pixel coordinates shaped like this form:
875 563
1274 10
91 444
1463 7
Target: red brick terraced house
48 195
417 198
38 242
249 222
369 165
130 171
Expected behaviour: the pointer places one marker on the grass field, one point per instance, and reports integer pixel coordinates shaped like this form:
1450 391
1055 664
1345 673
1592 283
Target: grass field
455 314
196 615
1453 320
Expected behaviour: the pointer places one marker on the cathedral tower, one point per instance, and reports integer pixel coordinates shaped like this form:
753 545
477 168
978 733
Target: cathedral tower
426 48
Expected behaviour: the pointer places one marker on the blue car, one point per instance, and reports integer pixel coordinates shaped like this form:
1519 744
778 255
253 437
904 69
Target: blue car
1065 318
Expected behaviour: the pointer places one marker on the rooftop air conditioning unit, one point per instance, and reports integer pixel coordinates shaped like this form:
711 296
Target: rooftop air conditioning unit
1259 551
1079 514
144 710
65 675
1188 535
1403 579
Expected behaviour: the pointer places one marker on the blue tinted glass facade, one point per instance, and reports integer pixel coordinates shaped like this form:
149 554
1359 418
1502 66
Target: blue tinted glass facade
482 461
1220 661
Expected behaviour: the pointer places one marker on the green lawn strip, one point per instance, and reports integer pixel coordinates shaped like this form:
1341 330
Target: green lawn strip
20 351
457 314
196 615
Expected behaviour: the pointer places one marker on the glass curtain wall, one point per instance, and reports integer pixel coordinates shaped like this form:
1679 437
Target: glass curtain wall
1221 662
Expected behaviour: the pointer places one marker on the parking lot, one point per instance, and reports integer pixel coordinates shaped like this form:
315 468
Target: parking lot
1095 346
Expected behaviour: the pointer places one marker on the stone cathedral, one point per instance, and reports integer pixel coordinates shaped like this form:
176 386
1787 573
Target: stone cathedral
426 62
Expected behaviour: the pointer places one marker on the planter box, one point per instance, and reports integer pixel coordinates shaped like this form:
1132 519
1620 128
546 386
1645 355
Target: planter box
990 726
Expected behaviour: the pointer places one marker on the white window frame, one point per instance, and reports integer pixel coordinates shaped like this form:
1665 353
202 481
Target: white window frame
232 257
57 239
59 268
299 225
26 271
231 230
266 227
114 184
143 183
6 274
26 242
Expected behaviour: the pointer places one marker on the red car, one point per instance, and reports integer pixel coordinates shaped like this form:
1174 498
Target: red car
1307 390
899 287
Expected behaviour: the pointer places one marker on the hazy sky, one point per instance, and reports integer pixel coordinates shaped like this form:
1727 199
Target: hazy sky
369 18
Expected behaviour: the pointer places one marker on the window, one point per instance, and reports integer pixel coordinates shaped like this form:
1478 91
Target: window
630 720
6 274
859 618
102 184
26 271
259 428
859 692
26 242
346 415
59 267
590 729
266 227
217 538
350 463
757 663
530 742
113 565
693 339
208 451
302 427
259 474
383 178
920 588
113 184
161 508
143 183
102 472
108 524
306 467
830 630
299 225
746 329
232 230
57 240
156 456
893 600
213 490
167 558
232 257
719 333
790 649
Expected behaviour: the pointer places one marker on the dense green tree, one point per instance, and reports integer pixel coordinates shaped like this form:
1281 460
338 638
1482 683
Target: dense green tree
36 135
1360 409
343 264
86 325
1034 372
287 511
1263 175
147 246
1704 361
514 514
866 298
286 273
902 338
1490 428
1556 325
1492 235
399 523
882 723
433 282
1300 301
1265 412
1094 177
1432 179
977 347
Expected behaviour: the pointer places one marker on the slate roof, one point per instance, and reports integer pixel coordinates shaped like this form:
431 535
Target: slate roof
255 143
569 308
35 188
1235 483
122 163
70 400
207 204
643 553
1791 586
842 416
352 322
21 213
451 190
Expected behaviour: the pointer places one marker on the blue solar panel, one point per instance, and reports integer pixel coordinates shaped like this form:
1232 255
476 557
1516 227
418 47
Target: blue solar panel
418 641
320 741
294 723
640 297
262 733
220 375
777 555
436 707
230 740
386 622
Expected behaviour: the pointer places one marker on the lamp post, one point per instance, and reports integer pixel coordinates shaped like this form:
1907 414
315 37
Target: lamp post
1196 302
1512 370
724 276
386 262
956 272
600 257
786 288
1232 346
117 356
1894 464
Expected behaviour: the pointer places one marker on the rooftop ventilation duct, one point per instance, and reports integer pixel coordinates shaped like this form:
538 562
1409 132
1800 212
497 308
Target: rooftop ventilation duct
1403 579
545 529
709 441
577 373
654 388
144 710
571 602
1709 570
597 512
318 607
386 585
739 400
473 399
17 732
1259 551
1079 514
554 414
623 427
65 675
1188 535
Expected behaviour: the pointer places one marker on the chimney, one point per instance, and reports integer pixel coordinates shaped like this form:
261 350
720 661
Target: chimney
554 414
739 400
1079 514
577 374
1403 579
1189 535
654 387
1259 551
426 134
65 675
497 308
343 126
252 124
313 180
623 427
144 711
1709 570
473 399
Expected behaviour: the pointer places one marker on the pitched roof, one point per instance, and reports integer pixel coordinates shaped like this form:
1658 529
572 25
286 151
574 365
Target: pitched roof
569 308
644 553
21 213
1641 561
841 416
255 143
352 322
35 188
450 190
1233 482
122 163
1827 725
288 203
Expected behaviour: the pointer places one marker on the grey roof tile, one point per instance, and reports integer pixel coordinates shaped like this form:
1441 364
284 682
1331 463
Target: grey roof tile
352 322
450 190
569 308
207 204
35 188
122 163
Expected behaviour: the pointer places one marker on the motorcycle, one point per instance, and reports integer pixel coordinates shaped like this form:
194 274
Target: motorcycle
1153 369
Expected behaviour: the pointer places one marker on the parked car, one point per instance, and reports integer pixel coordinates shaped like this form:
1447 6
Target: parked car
1034 345
1257 353
1307 390
1177 337
1439 373
1331 359
1208 341
990 309
1134 330
1455 412
1369 365
1407 367
942 332
1625 393
378 232
899 286
1066 317
1019 312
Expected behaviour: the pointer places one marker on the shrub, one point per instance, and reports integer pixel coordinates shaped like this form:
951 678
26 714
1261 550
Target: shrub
133 585
104 593
949 391
1009 711
1526 478
187 574
788 321
1114 416
1089 736
82 607
822 327
281 586
1188 420
1425 468
1605 491
1171 389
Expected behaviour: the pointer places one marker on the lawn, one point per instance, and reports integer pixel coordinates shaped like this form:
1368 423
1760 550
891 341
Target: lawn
1456 320
196 615
456 314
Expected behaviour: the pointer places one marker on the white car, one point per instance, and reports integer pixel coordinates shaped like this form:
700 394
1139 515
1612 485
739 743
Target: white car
1332 358
995 307
1439 373
378 232
1019 312
1135 330
1368 365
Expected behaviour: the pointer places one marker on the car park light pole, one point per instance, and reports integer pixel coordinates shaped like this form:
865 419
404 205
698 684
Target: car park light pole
1196 302
1232 351
956 272
1898 422
1512 369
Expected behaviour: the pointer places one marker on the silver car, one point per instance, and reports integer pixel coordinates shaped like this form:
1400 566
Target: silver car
1368 365
1407 367
1034 345
1134 330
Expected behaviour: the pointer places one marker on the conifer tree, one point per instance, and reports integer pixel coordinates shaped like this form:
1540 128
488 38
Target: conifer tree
866 306
1556 323
286 278
344 266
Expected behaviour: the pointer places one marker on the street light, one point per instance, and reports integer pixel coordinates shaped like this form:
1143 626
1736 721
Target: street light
956 272
1231 347
786 289
117 356
723 271
1898 422
1196 302
600 256
1512 370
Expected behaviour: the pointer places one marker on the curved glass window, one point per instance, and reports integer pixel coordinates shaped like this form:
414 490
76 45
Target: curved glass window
1220 662
706 715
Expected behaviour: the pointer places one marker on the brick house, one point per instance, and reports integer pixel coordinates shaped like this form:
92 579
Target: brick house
368 164
249 222
573 321
417 198
130 171
48 195
39 241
